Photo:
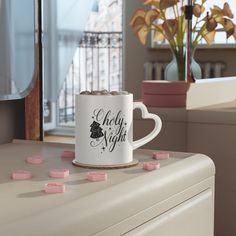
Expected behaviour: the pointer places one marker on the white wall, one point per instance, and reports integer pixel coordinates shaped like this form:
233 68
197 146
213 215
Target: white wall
135 55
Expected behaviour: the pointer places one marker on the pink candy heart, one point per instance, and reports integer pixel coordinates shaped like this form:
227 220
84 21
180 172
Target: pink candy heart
35 160
59 173
68 154
159 155
151 166
96 176
54 188
21 175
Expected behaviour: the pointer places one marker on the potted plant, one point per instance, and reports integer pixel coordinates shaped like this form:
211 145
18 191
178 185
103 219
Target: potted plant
166 19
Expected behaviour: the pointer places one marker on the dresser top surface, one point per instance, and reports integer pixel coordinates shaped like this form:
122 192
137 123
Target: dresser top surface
23 199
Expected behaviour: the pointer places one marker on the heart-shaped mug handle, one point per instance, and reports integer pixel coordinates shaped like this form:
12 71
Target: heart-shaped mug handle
147 115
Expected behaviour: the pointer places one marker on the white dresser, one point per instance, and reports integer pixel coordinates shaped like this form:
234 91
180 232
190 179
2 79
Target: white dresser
177 199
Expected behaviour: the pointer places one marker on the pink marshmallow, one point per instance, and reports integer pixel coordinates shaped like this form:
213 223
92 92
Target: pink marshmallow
161 155
21 175
68 154
54 188
151 166
96 176
35 160
59 173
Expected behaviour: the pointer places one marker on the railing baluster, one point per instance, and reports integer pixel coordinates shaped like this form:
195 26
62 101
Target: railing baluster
97 50
109 64
86 72
65 103
92 71
120 52
73 91
79 66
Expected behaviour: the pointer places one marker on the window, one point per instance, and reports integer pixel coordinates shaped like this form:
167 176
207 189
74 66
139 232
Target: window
220 38
85 64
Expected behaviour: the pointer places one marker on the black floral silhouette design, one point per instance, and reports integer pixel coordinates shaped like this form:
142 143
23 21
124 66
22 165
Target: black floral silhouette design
96 130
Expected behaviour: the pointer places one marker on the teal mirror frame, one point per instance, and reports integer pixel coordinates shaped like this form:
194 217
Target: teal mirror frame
19 86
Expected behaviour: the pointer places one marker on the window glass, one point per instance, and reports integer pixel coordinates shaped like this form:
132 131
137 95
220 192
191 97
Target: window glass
83 51
220 37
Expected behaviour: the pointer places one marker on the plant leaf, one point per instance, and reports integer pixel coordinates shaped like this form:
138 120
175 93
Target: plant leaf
138 24
170 28
219 19
164 4
215 11
139 13
155 3
158 35
227 11
211 24
142 34
198 10
209 36
234 32
181 19
229 27
151 16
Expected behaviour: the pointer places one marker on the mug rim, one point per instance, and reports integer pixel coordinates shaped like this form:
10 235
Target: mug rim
104 95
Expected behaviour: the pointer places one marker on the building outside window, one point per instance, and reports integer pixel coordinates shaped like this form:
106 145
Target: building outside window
96 63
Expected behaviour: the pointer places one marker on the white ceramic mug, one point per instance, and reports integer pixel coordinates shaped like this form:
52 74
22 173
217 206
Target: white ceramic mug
104 129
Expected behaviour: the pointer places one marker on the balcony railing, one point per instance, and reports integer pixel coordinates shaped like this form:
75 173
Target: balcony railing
97 65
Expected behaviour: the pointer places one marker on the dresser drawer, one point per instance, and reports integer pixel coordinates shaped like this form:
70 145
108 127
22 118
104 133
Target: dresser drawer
193 217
